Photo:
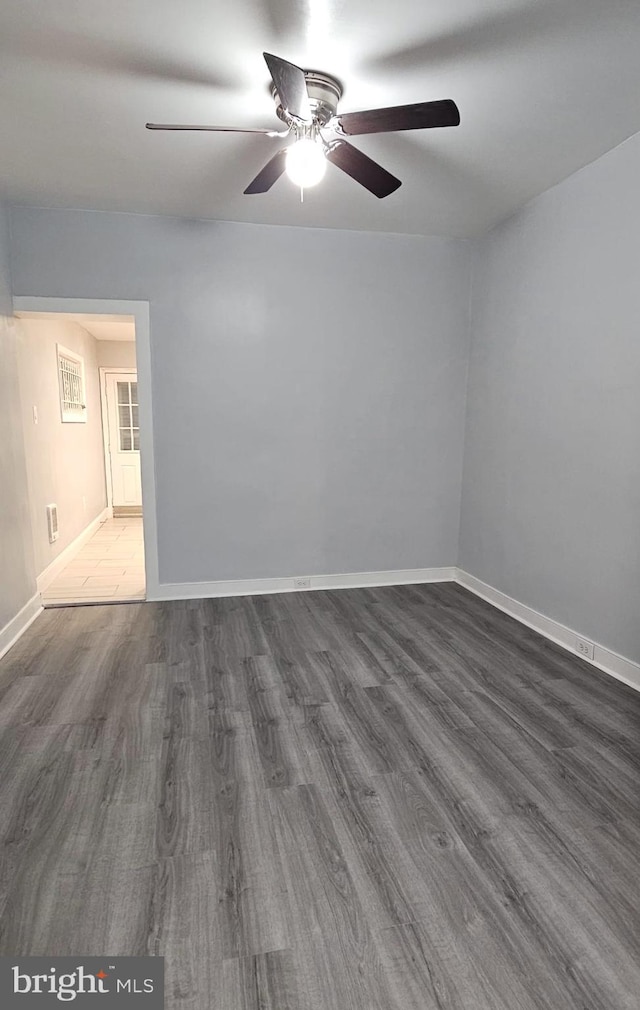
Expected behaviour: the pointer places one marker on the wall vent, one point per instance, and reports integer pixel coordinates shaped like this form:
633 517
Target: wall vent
52 522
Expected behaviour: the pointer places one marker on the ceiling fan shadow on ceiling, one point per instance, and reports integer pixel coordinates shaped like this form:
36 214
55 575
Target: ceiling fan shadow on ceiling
307 104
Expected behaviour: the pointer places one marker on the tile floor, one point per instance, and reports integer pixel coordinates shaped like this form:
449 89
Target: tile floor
110 566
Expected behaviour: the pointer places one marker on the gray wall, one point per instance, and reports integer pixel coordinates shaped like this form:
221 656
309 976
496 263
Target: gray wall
17 574
309 393
65 462
116 353
308 385
551 499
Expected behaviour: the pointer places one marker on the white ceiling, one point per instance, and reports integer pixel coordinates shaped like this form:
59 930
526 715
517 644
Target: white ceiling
543 87
102 327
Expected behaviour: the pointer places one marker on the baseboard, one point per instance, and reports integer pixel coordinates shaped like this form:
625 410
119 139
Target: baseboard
16 627
623 669
52 571
257 587
604 659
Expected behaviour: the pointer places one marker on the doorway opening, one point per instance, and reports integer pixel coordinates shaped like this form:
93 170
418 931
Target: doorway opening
79 387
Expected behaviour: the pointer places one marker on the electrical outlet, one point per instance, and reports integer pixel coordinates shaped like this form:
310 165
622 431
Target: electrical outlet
584 648
304 583
35 414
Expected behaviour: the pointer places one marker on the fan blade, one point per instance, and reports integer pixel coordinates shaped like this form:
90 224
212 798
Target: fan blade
291 86
271 172
215 129
360 167
421 116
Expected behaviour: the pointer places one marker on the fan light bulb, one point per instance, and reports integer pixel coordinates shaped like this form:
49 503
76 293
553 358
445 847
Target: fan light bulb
306 163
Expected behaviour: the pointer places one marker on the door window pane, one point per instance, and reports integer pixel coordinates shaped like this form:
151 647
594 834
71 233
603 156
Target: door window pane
128 430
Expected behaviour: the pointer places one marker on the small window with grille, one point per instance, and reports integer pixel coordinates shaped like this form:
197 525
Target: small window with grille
71 382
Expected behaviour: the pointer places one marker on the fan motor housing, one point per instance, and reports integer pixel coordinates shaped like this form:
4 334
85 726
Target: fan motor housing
324 93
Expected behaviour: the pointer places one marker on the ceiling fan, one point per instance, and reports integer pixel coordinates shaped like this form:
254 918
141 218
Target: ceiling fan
307 103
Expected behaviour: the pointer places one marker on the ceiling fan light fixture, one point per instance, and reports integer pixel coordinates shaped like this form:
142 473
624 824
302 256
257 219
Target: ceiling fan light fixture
307 103
306 163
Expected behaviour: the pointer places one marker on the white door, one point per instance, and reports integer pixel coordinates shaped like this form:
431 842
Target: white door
123 452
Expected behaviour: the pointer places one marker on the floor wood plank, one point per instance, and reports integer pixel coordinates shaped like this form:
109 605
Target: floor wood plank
378 799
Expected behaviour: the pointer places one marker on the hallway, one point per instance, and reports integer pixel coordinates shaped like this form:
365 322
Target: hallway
110 567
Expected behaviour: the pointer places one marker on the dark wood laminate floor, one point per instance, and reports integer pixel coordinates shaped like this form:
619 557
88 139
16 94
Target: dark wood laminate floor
378 799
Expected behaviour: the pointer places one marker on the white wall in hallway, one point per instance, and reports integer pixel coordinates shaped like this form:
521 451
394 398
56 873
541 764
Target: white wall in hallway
116 354
65 461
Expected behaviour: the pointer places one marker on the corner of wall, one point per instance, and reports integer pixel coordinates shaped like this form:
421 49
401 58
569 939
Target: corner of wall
18 583
552 412
476 244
